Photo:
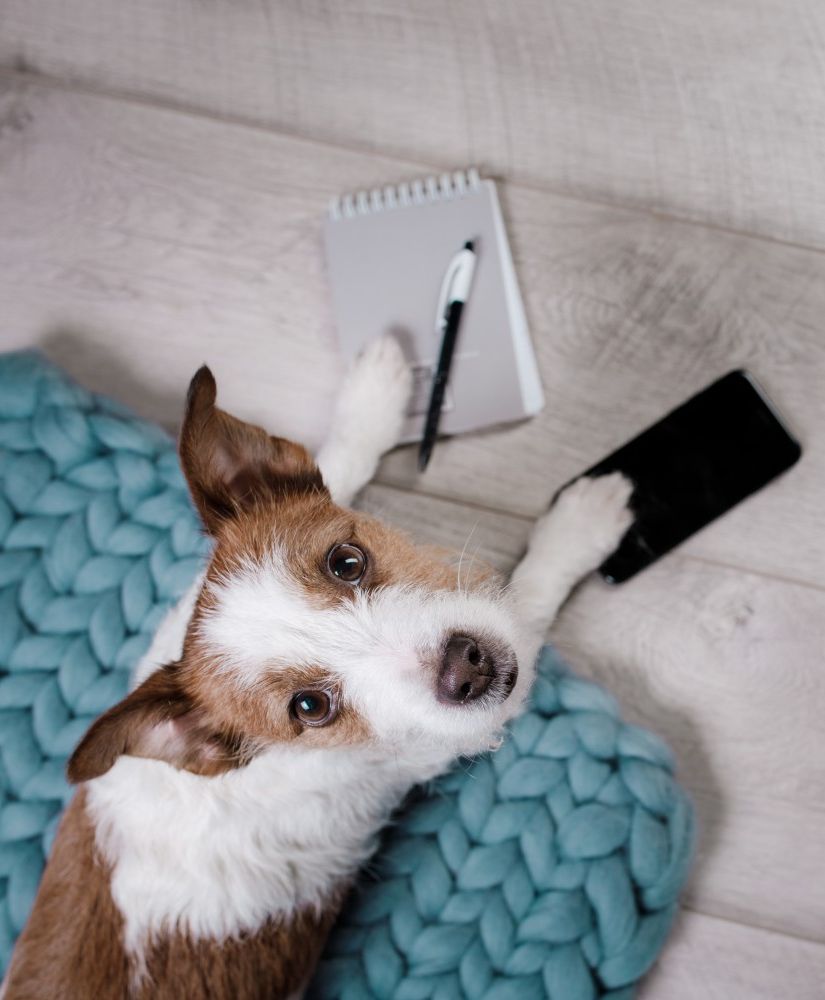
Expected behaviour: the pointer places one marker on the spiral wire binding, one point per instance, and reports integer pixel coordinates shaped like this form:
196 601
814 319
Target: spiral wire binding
421 191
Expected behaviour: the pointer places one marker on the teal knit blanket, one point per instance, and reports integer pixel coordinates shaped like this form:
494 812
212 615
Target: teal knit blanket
551 868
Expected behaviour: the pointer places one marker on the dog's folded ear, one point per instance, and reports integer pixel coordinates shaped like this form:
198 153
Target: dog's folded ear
157 720
231 465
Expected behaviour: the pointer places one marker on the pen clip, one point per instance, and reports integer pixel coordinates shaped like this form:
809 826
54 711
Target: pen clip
456 284
446 287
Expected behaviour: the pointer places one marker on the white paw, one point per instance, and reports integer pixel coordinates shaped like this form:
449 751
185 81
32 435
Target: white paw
584 525
596 511
368 418
376 392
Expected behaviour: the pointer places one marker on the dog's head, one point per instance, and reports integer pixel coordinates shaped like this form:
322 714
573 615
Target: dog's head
316 626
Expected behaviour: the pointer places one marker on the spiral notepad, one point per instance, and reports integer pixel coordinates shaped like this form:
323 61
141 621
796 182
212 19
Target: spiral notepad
387 251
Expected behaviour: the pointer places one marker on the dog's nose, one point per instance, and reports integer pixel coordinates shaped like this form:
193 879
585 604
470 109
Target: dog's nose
466 672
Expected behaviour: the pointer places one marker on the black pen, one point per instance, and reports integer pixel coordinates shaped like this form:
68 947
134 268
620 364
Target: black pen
455 290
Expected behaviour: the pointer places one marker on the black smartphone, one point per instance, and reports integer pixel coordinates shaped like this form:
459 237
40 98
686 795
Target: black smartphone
693 465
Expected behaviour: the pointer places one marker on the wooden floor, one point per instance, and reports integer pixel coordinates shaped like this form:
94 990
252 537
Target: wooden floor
164 168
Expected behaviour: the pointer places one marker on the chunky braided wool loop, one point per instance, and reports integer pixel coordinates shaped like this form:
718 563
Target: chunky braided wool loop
97 538
550 868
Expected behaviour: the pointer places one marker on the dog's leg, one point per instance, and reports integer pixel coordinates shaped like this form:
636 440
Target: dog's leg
367 420
573 538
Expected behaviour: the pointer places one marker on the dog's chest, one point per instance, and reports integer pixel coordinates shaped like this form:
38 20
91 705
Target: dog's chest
219 857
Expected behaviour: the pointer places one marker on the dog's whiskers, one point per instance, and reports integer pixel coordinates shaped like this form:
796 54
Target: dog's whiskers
461 557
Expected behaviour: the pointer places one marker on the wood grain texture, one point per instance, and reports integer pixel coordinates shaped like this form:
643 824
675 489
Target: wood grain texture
708 110
138 243
727 666
472 532
718 960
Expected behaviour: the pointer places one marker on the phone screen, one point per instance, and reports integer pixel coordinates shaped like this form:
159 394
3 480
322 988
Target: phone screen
693 465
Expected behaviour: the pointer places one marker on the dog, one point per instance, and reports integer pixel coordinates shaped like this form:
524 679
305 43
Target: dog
321 666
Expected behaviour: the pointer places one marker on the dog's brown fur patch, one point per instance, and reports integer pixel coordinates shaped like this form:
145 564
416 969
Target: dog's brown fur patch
271 964
231 465
71 946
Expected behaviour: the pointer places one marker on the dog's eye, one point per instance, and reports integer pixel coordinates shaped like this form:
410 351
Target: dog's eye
347 562
313 708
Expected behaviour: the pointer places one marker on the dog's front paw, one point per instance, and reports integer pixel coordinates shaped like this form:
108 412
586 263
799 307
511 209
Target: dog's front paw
581 529
368 418
384 360
375 395
596 512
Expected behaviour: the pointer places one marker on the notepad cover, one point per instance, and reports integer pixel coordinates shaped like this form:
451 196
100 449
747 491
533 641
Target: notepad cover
387 253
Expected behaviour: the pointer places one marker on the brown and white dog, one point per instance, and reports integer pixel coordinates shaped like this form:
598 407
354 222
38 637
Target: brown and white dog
321 666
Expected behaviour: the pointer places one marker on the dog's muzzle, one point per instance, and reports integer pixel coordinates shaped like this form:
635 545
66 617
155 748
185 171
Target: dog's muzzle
471 668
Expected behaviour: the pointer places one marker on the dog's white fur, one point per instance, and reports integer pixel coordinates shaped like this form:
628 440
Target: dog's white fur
225 852
367 419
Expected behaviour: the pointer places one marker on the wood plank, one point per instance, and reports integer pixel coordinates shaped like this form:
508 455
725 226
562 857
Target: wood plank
497 539
708 110
727 667
718 960
138 243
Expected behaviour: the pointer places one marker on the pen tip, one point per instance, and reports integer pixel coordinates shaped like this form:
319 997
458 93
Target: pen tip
423 459
470 245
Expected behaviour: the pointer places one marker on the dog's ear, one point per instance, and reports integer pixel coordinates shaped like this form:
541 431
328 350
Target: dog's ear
157 720
231 465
